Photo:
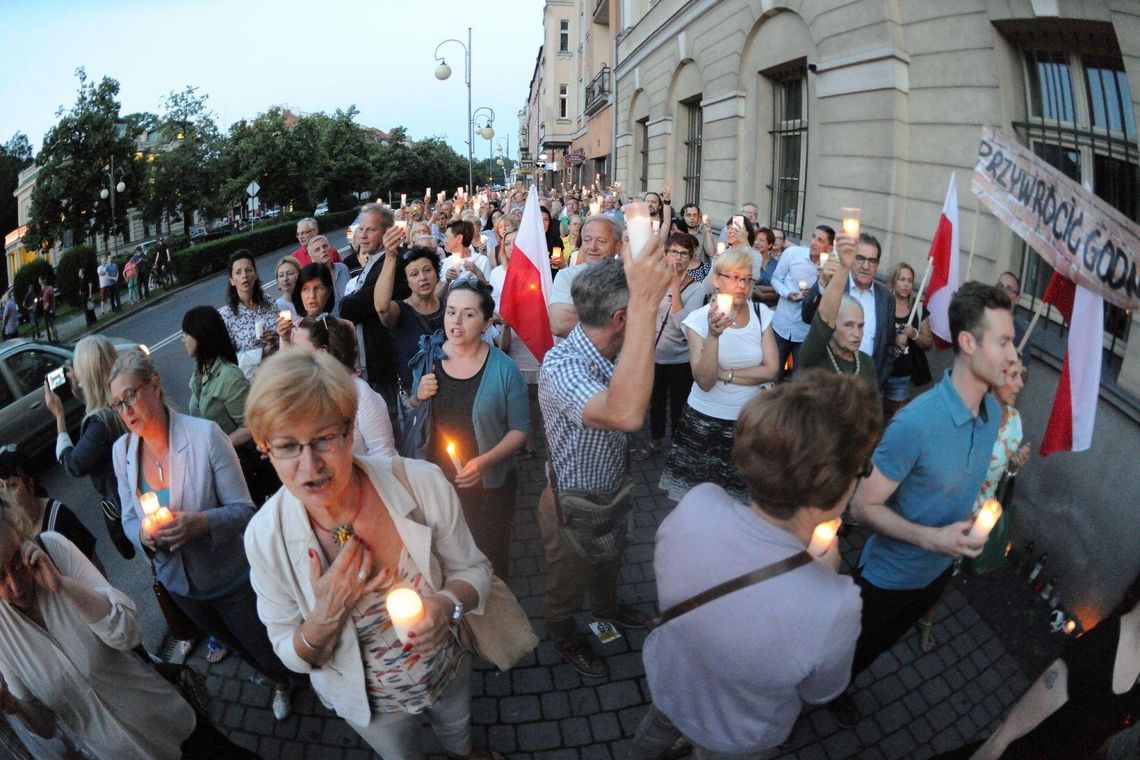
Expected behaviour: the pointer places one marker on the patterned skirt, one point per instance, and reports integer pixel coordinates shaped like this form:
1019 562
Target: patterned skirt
702 453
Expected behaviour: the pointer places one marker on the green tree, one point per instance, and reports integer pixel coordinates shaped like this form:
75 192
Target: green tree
347 151
283 159
406 167
15 155
77 155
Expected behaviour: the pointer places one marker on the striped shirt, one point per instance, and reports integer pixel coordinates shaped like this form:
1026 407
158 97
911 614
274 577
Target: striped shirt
585 460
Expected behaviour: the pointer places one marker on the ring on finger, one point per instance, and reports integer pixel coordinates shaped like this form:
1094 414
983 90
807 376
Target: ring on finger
362 575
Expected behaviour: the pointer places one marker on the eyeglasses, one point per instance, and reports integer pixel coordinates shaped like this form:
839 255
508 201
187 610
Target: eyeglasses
737 280
678 252
859 259
129 399
322 445
302 233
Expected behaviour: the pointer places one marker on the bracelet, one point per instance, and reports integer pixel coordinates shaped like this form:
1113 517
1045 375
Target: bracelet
731 372
306 642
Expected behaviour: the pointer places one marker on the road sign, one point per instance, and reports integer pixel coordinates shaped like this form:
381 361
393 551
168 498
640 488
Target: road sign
575 158
252 188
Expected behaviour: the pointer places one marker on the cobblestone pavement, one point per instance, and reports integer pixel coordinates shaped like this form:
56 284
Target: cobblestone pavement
914 705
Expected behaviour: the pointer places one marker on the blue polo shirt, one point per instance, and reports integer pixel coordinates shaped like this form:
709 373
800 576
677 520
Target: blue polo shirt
938 453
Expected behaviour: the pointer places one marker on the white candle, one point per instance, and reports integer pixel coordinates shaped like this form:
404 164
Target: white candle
724 303
595 207
656 226
405 609
149 503
286 314
427 193
258 328
987 517
454 457
556 254
803 284
403 199
823 538
851 217
638 224
402 224
738 220
719 247
483 241
705 218
823 259
1070 626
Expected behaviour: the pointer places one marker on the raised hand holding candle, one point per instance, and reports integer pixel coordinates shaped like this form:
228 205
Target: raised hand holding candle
823 259
595 207
851 217
987 518
705 219
823 538
286 315
454 457
405 609
402 224
403 199
724 303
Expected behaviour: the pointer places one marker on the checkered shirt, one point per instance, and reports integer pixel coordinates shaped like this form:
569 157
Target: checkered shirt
585 460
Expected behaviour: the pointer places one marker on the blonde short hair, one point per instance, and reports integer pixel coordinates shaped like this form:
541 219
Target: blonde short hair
733 258
294 384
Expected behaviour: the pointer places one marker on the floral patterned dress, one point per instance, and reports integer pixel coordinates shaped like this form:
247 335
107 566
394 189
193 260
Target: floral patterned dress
395 680
1008 440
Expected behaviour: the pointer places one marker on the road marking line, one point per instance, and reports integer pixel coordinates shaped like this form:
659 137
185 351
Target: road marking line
165 341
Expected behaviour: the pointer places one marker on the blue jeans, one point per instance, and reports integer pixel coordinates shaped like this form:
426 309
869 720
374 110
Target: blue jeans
656 733
897 388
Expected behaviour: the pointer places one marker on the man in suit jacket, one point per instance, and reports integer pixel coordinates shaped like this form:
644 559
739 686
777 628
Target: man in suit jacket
878 305
379 353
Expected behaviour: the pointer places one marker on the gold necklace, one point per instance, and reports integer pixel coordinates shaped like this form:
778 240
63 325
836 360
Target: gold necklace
345 531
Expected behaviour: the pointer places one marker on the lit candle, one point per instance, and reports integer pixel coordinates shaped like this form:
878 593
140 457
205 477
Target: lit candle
637 222
483 241
987 517
286 315
705 219
403 199
402 224
595 207
1070 626
149 503
258 328
556 254
738 220
405 609
724 303
454 457
656 226
823 538
427 193
851 217
803 284
719 247
823 259
458 192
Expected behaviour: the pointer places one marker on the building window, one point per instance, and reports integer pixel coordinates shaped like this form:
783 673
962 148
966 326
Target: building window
692 174
643 135
562 98
1080 120
564 36
789 151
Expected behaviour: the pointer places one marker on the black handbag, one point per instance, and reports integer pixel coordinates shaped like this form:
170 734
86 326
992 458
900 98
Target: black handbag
919 367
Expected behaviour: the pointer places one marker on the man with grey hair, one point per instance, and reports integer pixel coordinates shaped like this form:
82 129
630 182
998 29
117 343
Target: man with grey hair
307 229
376 222
601 241
589 404
749 211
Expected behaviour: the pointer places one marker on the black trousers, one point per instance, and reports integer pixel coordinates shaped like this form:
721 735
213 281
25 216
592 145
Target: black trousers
207 743
888 614
671 386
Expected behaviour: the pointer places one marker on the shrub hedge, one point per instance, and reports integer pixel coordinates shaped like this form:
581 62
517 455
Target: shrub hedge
67 273
28 277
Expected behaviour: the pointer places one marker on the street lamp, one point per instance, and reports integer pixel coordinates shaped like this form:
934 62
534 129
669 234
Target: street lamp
502 163
486 132
111 189
442 72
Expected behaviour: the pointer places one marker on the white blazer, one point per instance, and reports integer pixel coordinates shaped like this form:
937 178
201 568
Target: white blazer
278 540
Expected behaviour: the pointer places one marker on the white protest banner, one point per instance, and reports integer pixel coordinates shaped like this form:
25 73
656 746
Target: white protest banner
1079 234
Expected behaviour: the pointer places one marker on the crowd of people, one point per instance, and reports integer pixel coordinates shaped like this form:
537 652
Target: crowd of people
276 513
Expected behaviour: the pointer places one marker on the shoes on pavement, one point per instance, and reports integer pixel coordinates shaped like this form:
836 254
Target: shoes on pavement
926 641
282 703
627 616
185 648
845 710
216 651
583 659
123 545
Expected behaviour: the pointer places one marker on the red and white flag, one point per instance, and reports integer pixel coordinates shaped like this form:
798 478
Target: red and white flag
526 291
1070 426
944 271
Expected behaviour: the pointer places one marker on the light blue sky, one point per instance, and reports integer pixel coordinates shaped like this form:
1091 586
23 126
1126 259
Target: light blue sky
250 54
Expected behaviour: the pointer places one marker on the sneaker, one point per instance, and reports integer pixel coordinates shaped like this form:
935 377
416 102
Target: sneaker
216 651
845 710
583 659
282 704
627 616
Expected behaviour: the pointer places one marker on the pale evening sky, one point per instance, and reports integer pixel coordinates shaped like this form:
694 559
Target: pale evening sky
253 54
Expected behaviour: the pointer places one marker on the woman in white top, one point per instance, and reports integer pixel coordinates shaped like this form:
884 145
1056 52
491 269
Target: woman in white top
732 352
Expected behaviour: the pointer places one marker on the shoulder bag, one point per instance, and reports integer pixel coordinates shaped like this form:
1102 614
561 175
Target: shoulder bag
414 421
502 635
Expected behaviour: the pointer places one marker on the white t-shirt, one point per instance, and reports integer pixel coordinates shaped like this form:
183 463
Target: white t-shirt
497 278
739 347
454 262
560 293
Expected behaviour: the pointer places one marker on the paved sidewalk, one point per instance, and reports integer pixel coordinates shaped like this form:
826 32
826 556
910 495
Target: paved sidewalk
914 705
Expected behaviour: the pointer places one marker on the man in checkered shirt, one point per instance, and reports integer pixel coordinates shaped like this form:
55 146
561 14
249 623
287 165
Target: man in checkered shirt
589 404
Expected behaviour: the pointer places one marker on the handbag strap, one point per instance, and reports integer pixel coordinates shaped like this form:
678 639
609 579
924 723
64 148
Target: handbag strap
743 581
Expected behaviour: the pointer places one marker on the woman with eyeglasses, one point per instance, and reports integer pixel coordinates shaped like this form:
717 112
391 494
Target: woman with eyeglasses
246 309
372 433
326 550
732 353
189 466
481 414
421 313
672 375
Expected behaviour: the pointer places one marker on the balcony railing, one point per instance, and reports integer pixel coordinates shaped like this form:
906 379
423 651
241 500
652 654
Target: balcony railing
597 91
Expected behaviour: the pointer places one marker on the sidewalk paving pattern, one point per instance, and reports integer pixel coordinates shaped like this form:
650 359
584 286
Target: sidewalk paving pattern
914 705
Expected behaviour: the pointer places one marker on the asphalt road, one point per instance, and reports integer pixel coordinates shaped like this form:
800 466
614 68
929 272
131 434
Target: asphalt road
158 327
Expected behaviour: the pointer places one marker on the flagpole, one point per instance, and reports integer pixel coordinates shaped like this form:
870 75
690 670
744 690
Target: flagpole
921 290
1032 324
973 237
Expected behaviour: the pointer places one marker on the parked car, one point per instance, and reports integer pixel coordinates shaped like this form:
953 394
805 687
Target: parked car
351 229
24 420
321 209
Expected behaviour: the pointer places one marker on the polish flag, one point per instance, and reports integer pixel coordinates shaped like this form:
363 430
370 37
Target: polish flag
1070 426
944 270
526 291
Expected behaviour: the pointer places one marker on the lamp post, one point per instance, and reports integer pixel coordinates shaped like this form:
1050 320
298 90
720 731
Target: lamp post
487 132
541 169
443 71
111 189
504 154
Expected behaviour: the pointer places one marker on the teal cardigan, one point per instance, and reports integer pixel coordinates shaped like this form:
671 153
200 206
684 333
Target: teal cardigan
501 405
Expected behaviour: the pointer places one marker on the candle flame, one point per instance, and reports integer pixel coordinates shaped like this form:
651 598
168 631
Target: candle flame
827 530
149 503
451 447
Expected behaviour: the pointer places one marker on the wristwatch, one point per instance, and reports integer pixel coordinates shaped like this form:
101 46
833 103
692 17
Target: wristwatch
457 612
